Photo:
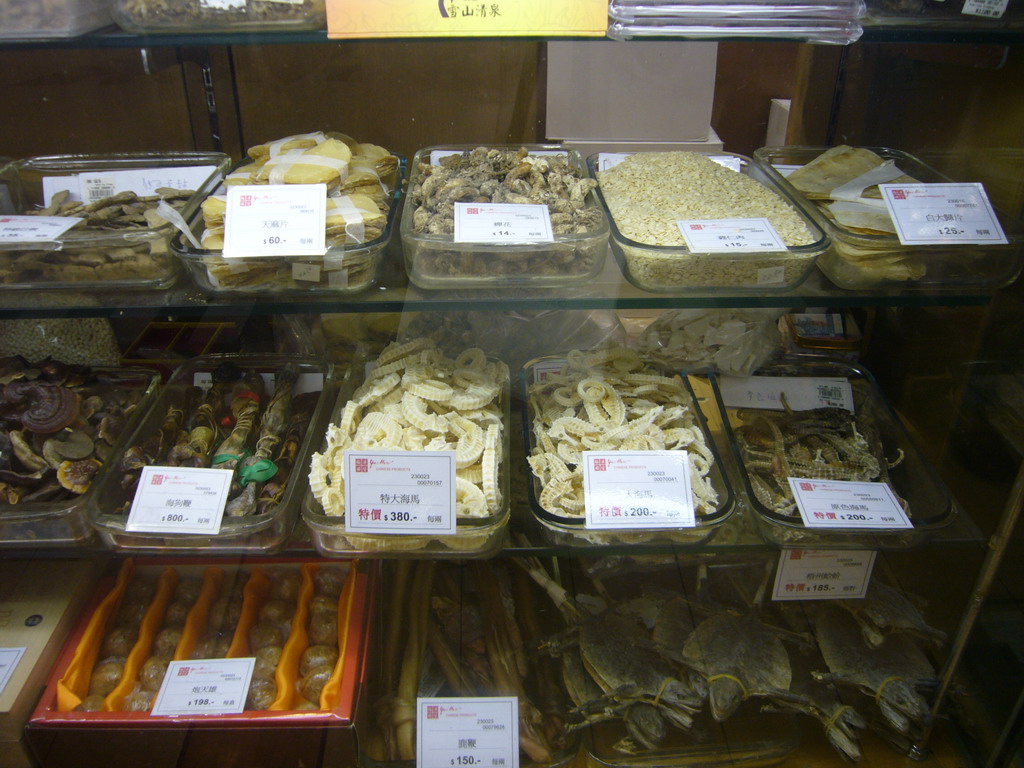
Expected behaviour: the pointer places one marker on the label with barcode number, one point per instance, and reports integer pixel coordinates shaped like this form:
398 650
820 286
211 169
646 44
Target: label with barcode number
942 214
776 393
988 9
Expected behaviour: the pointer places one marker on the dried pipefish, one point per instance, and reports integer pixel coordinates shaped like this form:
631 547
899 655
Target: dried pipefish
273 490
245 406
258 468
152 449
203 422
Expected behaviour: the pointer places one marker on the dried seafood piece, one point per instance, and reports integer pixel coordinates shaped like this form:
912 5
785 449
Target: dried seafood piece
611 400
417 399
187 15
820 443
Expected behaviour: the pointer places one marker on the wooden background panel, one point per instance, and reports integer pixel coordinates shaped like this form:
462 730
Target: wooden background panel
74 101
400 94
748 77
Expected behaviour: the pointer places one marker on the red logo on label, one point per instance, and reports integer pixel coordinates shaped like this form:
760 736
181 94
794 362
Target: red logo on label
432 712
183 671
473 211
696 226
899 194
245 200
600 465
806 486
362 465
157 480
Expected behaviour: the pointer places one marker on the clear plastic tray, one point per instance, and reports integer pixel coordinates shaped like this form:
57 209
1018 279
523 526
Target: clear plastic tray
340 271
436 261
51 18
627 10
68 263
8 187
568 530
930 505
66 523
858 261
474 537
674 269
199 16
826 31
251 533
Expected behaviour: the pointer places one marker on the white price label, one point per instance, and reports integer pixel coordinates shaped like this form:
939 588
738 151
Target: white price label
606 160
204 687
34 229
307 272
9 658
437 155
223 5
800 393
989 9
731 236
393 492
848 504
727 161
502 223
823 574
942 214
454 733
275 220
179 500
547 368
637 489
306 382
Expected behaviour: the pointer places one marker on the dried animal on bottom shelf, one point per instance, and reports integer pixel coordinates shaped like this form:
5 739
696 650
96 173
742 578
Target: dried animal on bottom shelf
894 674
885 611
436 608
820 443
739 657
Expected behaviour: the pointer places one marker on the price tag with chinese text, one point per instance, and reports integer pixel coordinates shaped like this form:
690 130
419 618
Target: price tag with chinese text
204 687
9 658
848 504
390 492
34 229
801 393
731 236
275 220
988 9
823 574
179 500
453 733
502 223
942 214
637 489
547 368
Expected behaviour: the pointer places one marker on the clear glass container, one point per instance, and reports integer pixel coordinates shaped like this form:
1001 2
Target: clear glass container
84 259
198 16
51 18
342 270
66 523
928 503
109 507
571 530
475 537
858 261
437 261
675 269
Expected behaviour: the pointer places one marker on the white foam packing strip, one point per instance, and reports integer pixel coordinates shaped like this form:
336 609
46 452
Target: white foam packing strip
853 190
284 163
353 217
276 146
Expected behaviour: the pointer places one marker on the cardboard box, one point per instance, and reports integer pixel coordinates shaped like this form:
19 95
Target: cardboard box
635 91
282 739
39 602
587 147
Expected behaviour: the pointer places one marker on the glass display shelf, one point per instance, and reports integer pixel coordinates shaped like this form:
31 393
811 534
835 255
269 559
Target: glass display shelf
609 290
912 31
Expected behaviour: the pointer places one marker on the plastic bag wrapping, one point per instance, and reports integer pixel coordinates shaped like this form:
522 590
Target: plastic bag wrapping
80 340
517 336
732 341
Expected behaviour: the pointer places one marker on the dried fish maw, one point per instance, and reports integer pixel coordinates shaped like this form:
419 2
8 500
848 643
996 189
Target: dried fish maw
831 169
383 161
287 144
213 239
326 163
213 210
244 175
860 218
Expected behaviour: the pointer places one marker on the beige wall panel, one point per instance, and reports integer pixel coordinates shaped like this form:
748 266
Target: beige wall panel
92 100
402 95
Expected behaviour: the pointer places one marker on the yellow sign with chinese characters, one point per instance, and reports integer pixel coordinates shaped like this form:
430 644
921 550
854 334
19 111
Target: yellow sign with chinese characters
466 18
